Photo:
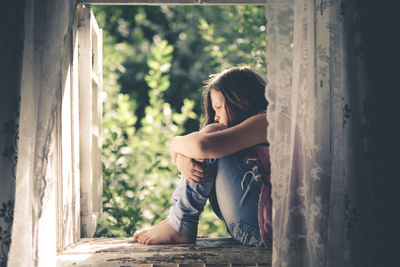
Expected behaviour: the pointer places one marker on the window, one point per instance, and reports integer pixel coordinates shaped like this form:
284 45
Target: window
90 107
79 184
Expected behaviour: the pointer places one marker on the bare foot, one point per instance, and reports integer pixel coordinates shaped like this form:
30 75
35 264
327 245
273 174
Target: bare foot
138 233
161 233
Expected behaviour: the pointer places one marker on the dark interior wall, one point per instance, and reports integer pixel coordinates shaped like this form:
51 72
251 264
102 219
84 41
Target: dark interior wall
380 29
11 49
11 45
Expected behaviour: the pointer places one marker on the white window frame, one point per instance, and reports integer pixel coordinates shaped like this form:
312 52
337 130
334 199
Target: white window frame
79 185
90 109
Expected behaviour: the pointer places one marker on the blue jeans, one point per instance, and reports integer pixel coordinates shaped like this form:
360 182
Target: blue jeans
233 194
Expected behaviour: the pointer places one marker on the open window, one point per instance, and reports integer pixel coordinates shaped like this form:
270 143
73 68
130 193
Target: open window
79 184
90 107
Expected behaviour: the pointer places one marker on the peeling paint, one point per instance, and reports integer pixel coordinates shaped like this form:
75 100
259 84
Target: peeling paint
122 252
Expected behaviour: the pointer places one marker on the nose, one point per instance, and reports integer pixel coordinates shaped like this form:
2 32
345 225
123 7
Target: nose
216 117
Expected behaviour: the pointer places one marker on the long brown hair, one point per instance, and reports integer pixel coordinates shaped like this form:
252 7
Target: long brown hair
243 90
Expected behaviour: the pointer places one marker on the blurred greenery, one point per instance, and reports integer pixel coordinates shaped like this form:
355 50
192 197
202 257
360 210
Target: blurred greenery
155 60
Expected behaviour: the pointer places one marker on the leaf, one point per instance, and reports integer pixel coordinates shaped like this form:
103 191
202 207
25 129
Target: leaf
153 64
168 50
114 136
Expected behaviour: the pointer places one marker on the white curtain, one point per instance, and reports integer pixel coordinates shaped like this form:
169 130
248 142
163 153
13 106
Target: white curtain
46 25
318 130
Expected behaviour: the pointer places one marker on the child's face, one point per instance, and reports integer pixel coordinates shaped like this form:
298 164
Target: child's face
218 105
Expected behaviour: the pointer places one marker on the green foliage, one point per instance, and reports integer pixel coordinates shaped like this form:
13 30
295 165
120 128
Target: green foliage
154 62
206 39
236 39
139 177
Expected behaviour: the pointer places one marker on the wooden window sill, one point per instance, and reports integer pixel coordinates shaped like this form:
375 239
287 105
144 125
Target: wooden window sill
125 252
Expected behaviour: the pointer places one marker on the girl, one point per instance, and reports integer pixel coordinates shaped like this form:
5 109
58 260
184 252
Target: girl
227 162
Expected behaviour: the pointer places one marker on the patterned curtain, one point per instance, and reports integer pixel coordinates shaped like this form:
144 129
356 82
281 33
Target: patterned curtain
319 133
8 163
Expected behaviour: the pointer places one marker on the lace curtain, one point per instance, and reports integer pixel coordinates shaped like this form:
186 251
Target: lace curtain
46 24
318 133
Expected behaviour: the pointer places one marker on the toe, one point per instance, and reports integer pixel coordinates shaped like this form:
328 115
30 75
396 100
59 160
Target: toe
135 236
139 239
145 239
150 241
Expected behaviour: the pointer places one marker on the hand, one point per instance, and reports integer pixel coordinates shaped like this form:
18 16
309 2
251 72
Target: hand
192 170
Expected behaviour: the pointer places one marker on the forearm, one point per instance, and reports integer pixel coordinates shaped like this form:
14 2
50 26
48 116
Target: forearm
213 127
191 145
216 144
188 145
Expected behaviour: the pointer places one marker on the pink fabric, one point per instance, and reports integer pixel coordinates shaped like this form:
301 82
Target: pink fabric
265 201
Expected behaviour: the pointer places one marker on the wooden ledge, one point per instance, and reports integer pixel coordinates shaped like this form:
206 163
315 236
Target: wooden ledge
126 252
